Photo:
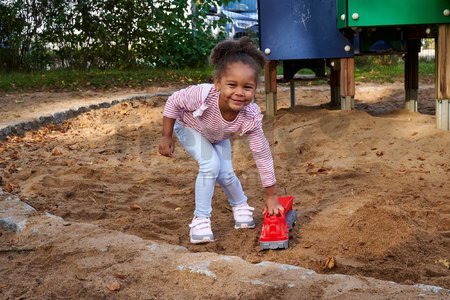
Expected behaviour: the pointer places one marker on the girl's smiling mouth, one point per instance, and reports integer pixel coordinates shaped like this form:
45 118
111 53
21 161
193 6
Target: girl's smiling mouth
238 101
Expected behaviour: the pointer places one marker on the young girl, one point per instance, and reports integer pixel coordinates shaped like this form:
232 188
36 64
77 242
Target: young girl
204 117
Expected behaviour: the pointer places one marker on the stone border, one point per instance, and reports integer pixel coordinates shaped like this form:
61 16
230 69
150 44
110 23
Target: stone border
17 129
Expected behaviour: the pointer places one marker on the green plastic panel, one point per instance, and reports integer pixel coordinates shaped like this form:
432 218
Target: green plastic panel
341 13
392 12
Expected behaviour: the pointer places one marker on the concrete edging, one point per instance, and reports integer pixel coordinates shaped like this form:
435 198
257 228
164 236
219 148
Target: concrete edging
19 128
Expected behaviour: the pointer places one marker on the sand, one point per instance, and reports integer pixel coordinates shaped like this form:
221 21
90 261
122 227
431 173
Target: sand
371 186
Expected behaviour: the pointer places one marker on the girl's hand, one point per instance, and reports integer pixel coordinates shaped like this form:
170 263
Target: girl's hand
166 146
273 207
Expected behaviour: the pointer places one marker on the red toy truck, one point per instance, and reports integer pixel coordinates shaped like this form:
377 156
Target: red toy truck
275 230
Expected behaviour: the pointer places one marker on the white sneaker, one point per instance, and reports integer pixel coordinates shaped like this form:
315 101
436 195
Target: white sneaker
243 216
200 230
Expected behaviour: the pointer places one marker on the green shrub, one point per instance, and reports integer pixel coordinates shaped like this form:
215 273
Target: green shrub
84 34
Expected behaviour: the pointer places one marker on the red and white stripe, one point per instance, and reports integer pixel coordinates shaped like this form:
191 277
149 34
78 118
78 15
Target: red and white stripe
182 104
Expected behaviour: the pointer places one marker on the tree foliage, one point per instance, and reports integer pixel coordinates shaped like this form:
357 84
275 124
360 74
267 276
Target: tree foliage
82 34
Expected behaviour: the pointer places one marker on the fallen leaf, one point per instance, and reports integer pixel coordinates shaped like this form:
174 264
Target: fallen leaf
310 166
135 207
445 262
178 208
8 188
73 147
119 275
70 162
323 171
79 277
14 156
56 152
113 286
329 263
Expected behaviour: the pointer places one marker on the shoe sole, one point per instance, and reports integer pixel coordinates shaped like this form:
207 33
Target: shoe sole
201 241
244 226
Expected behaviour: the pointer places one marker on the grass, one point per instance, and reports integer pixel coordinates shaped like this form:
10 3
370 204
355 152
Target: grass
380 72
368 69
70 80
379 69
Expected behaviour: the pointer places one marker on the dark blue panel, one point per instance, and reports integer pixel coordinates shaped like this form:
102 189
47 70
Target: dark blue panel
301 29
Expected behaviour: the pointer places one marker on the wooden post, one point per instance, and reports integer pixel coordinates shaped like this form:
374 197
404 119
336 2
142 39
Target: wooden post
347 83
335 82
270 85
443 78
292 86
412 75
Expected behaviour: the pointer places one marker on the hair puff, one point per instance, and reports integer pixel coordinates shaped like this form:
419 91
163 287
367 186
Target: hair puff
231 51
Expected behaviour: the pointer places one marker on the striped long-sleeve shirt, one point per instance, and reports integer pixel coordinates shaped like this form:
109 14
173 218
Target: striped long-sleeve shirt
197 107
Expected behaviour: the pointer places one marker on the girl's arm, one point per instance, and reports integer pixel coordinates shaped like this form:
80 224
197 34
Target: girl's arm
166 145
264 162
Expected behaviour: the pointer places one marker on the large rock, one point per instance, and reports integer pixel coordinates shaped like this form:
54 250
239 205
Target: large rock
13 212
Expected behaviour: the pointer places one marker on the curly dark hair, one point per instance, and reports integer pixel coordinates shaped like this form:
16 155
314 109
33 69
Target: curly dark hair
231 51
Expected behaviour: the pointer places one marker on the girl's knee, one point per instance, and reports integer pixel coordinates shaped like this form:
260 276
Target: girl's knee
210 167
226 178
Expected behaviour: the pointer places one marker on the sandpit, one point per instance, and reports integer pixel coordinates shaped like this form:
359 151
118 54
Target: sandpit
371 186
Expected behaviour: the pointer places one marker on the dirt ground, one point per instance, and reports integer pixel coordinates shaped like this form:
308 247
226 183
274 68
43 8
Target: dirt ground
371 186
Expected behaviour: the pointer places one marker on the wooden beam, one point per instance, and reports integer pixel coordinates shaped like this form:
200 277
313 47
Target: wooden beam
335 82
412 75
347 83
270 85
443 63
292 89
443 78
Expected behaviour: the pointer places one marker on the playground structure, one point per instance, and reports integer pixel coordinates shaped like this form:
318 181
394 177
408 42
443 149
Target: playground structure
316 34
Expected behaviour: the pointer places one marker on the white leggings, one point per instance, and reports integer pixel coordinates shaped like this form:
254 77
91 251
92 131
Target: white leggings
214 161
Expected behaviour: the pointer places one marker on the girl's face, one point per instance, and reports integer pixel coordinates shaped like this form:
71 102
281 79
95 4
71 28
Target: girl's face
237 87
